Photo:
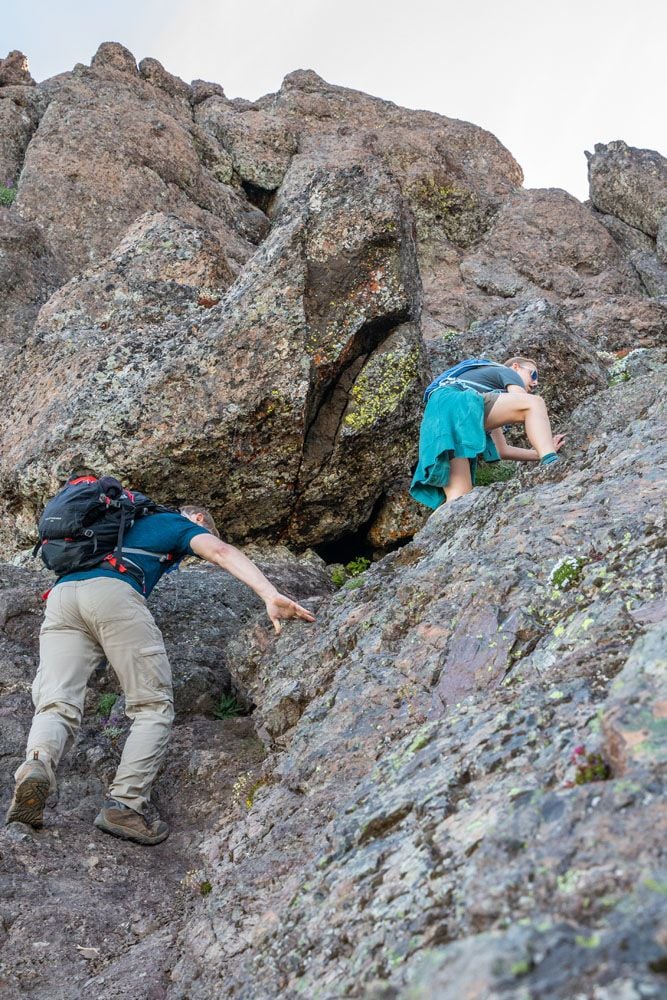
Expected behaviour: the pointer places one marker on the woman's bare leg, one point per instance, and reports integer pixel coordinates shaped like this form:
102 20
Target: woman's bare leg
460 480
520 408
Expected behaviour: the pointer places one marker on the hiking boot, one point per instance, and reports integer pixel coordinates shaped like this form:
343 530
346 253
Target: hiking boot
33 784
121 821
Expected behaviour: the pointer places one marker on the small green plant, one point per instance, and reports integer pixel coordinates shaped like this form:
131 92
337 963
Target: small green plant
105 704
205 887
567 572
357 566
341 576
493 472
7 194
227 707
589 766
113 732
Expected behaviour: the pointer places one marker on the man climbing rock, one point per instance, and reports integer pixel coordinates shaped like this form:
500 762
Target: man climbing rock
102 612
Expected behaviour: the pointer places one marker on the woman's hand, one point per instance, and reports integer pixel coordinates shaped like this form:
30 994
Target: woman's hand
559 441
280 607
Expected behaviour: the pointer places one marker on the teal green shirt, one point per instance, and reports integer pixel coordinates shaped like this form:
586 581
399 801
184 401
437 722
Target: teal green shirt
160 533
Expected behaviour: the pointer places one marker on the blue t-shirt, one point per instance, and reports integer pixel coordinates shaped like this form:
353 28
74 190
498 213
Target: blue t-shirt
161 533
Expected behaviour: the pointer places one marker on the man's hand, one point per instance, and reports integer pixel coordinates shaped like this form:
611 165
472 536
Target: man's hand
281 607
235 562
559 441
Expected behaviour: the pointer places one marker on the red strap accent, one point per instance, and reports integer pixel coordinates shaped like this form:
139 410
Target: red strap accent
116 565
81 479
128 494
46 593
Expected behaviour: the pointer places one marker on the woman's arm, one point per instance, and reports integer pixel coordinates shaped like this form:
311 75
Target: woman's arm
506 450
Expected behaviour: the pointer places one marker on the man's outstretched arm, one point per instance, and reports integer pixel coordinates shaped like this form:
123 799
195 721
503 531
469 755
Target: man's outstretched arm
222 554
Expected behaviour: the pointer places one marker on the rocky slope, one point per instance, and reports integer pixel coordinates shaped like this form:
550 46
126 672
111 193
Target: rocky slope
452 784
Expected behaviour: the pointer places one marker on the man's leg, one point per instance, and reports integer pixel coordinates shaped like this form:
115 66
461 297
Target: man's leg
520 408
134 647
68 655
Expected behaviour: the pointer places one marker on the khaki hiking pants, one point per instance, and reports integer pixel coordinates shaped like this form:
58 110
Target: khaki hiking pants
86 620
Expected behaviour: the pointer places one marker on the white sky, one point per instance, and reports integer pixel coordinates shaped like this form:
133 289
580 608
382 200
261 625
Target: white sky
550 80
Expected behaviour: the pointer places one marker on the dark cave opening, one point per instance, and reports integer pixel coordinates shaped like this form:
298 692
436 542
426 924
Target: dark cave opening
259 197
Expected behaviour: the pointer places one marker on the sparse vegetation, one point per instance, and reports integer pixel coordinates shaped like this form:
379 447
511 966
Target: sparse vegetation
113 732
105 704
493 472
589 766
227 707
342 576
566 573
7 194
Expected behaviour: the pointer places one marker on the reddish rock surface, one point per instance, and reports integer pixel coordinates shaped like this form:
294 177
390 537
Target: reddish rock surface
452 784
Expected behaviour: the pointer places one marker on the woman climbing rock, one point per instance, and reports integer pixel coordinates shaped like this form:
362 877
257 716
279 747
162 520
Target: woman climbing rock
466 410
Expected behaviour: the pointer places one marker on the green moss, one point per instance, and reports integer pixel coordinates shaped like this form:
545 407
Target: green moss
567 572
588 942
381 386
205 888
252 791
440 206
656 886
7 195
521 968
420 741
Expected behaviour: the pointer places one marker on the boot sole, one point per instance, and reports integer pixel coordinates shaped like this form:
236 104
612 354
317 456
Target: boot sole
28 802
124 834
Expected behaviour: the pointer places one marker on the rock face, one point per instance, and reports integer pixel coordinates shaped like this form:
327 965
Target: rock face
629 186
333 234
449 815
451 785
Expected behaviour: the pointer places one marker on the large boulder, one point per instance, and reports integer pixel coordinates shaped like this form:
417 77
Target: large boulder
259 144
135 367
630 184
114 145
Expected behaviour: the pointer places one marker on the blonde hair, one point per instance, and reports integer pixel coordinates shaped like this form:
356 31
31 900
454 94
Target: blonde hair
207 517
528 362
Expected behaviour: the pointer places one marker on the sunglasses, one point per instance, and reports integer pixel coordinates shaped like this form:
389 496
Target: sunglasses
533 374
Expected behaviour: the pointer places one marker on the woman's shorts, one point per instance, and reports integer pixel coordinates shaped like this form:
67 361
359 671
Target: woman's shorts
489 400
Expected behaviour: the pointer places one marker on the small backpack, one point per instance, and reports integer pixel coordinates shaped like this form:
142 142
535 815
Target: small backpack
84 525
456 372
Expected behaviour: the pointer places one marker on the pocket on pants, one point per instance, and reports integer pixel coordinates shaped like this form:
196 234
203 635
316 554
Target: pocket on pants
157 670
